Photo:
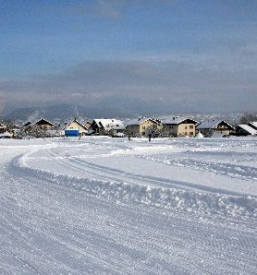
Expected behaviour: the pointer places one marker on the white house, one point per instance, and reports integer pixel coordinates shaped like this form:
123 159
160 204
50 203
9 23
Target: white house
105 126
208 127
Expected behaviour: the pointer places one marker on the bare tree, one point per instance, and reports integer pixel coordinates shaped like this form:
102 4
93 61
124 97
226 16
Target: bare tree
248 117
36 131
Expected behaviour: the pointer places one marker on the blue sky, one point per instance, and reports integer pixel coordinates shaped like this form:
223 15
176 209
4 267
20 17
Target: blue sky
170 55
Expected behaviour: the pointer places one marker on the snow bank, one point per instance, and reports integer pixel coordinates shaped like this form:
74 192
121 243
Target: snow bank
182 200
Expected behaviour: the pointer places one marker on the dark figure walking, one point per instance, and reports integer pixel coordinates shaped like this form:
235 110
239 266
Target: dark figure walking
150 136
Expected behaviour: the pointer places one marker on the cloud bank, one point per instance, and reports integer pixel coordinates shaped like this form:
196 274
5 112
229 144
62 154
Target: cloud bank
155 56
151 86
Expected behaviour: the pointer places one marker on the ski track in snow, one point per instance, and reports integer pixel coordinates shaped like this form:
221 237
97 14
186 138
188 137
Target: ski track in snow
93 207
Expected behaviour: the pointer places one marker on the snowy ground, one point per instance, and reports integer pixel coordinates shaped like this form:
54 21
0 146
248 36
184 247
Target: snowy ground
112 206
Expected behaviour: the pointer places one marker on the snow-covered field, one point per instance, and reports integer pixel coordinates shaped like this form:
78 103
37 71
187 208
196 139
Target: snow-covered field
101 205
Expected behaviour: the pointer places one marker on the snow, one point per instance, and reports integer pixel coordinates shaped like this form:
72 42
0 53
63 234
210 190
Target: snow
217 135
6 135
102 205
109 123
119 134
199 135
254 124
210 124
248 129
177 120
137 121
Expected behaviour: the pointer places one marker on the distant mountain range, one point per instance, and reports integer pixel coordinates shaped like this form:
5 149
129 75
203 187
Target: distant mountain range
57 111
104 110
120 107
64 111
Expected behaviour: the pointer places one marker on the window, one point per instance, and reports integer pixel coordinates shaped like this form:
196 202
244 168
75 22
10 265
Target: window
191 126
191 133
185 127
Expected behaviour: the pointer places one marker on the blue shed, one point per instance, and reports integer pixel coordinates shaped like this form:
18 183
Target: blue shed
72 133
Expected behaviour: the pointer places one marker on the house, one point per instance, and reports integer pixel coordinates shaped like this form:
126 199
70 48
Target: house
142 126
87 125
42 124
74 128
179 127
208 127
37 128
3 127
107 126
245 130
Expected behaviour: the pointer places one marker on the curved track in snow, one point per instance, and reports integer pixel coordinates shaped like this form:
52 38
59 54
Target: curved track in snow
102 206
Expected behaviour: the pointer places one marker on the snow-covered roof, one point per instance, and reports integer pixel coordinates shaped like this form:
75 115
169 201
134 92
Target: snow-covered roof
138 121
34 122
253 124
248 129
177 120
210 124
70 122
108 123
